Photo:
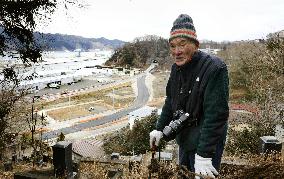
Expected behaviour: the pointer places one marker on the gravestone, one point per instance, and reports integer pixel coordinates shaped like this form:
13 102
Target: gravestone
62 159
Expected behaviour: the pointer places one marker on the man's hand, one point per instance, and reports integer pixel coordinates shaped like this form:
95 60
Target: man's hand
204 167
155 136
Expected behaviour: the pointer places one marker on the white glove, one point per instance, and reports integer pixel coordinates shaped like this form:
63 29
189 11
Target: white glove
155 136
204 167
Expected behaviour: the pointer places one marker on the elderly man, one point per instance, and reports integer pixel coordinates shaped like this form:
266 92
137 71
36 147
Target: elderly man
201 137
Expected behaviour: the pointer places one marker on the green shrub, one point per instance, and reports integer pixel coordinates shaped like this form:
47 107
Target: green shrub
126 141
247 140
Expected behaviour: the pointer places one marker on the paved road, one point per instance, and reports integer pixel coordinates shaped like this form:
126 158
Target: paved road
141 100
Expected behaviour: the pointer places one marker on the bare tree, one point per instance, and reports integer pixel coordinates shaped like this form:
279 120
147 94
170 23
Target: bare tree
257 69
17 44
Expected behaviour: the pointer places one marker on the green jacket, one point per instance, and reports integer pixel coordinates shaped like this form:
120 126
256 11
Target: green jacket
212 124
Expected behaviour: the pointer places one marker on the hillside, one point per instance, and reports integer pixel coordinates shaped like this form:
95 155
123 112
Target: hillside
142 51
59 42
71 42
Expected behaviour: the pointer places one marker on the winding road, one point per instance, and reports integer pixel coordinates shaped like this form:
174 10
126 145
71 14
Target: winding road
141 99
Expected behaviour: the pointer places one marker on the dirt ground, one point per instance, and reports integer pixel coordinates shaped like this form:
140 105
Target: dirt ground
101 101
159 88
269 170
251 167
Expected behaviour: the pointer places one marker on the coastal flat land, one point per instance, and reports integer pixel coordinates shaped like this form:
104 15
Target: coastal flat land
89 103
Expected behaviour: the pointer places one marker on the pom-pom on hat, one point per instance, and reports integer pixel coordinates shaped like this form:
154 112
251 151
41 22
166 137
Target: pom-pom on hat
183 27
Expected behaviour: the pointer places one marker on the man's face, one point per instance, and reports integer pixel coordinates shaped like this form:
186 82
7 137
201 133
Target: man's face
182 49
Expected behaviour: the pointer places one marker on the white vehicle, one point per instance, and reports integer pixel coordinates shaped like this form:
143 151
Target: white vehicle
91 109
54 85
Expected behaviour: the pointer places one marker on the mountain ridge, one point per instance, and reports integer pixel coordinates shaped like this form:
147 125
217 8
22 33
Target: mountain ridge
58 42
61 42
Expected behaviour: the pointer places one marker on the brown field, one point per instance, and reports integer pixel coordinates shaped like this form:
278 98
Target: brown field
107 99
159 88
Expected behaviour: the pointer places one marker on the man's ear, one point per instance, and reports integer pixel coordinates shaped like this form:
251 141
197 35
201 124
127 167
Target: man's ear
197 46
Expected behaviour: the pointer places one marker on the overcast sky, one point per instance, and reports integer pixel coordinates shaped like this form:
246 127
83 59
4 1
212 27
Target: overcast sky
216 20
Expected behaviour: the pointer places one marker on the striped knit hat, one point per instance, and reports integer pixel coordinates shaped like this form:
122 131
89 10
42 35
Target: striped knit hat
183 27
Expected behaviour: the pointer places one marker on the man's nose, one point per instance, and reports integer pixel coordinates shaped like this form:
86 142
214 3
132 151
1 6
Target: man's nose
178 52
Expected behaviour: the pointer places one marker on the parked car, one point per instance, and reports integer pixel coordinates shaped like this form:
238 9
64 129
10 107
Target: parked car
114 156
54 85
91 109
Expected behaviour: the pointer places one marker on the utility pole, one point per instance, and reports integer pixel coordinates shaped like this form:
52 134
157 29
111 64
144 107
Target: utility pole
113 98
69 97
42 123
33 126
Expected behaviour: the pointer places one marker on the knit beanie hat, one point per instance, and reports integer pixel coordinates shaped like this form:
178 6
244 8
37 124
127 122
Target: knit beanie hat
183 27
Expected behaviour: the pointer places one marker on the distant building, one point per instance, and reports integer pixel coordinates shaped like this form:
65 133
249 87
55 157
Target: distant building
78 50
140 114
210 50
164 156
136 158
90 148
